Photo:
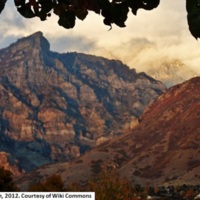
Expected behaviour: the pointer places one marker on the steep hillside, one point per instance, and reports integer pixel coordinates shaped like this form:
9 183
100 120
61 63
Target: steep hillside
54 107
163 149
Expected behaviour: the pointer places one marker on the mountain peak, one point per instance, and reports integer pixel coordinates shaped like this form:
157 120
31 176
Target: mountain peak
37 34
61 105
172 72
34 41
39 41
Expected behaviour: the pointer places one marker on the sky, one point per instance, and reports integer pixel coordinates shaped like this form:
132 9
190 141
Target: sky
150 38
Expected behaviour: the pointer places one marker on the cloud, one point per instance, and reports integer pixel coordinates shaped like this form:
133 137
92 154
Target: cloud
8 17
71 43
5 40
153 37
12 25
149 38
130 51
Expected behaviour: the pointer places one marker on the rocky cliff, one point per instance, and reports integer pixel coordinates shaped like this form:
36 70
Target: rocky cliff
163 149
11 164
54 107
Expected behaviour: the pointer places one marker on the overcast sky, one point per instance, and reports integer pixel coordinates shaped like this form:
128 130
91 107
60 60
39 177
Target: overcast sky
148 39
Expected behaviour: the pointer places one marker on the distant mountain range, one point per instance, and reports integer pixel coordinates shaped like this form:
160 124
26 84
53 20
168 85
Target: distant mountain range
171 72
54 107
163 149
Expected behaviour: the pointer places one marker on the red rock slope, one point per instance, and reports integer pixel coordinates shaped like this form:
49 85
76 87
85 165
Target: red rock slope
163 149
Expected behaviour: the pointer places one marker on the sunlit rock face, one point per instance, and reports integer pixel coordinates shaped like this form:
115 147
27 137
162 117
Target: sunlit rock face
54 107
162 150
11 164
171 72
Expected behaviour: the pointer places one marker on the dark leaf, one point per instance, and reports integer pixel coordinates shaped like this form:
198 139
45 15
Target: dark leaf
67 19
192 5
119 14
134 5
46 5
26 11
42 15
105 11
104 4
94 6
115 11
150 4
107 22
58 9
2 4
19 2
107 15
193 9
145 4
81 14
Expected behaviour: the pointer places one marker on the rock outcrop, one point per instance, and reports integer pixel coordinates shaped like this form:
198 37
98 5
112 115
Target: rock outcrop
162 150
9 163
54 107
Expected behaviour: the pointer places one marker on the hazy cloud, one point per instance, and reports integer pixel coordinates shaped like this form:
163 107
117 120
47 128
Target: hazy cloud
6 40
10 18
149 38
71 43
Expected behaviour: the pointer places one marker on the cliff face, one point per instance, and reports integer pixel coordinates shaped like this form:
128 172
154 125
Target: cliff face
54 107
163 149
11 164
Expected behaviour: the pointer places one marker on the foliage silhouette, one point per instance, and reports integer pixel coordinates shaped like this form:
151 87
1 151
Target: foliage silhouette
113 11
6 181
53 183
109 186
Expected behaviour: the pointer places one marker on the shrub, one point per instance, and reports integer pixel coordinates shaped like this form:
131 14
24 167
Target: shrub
6 181
53 183
109 186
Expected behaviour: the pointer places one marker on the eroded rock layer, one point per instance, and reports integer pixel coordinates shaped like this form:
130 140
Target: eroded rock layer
54 107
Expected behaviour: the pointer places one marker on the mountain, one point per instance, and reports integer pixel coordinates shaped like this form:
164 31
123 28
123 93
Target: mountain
163 149
54 107
171 73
